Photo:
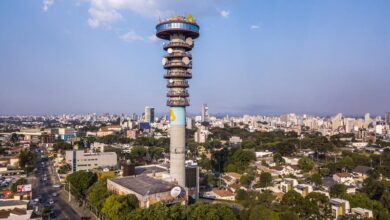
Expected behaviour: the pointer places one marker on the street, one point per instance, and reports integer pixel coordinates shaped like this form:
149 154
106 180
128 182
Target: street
47 187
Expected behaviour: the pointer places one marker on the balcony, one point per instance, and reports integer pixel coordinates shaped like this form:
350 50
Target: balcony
176 64
178 84
183 45
179 55
184 74
177 102
178 94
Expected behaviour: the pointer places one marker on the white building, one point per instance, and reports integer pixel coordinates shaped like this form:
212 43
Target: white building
363 213
288 184
303 189
340 207
344 178
80 160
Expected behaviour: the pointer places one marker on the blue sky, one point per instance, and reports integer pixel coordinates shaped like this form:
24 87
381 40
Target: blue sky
253 56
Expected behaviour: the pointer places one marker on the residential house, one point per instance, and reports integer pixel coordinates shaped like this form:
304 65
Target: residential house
363 213
344 178
340 207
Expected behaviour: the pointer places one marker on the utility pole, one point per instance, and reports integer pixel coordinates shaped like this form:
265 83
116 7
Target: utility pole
70 198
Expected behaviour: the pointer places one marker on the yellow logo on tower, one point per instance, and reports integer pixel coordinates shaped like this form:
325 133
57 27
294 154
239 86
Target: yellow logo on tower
172 115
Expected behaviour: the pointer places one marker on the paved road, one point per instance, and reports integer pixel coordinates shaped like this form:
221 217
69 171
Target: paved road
45 189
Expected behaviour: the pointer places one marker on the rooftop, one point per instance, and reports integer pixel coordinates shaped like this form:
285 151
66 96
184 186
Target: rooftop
143 185
361 169
149 169
222 193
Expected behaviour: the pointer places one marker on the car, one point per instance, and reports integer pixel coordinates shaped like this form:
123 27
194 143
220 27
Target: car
54 194
38 199
56 186
51 201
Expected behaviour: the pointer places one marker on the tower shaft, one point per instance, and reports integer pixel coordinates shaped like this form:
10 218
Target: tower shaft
180 32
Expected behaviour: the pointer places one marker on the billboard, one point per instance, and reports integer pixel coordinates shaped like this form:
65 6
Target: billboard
23 188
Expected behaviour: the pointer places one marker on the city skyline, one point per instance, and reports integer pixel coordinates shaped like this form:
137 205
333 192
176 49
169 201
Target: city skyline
102 58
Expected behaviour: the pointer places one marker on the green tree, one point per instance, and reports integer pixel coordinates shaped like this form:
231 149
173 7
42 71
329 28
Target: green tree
278 159
116 207
288 215
80 182
242 195
316 179
385 200
98 193
337 190
292 200
201 210
156 212
265 180
305 164
317 206
246 180
205 163
62 146
261 212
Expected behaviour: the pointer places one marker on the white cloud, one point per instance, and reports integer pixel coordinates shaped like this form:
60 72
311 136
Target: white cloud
224 13
46 4
104 12
102 17
255 27
130 36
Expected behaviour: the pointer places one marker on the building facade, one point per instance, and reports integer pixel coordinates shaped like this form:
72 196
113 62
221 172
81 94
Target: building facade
80 160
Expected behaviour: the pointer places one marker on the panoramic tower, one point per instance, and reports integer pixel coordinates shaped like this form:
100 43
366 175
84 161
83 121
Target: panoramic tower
180 32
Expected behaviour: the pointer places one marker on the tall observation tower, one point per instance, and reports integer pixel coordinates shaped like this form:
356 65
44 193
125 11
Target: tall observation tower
180 32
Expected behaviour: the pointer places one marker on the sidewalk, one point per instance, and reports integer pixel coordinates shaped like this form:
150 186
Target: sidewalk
64 195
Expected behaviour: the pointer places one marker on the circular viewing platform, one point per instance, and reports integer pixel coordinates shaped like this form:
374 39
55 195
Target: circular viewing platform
179 26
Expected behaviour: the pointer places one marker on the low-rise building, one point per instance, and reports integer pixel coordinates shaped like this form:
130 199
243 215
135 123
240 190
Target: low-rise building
340 207
288 184
80 160
303 189
344 178
363 213
148 190
223 194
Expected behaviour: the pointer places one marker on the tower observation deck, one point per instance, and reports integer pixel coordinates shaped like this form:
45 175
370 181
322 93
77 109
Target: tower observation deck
180 33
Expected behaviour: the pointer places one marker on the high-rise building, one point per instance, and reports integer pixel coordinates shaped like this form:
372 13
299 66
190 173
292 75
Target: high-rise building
367 117
387 118
180 32
149 114
205 113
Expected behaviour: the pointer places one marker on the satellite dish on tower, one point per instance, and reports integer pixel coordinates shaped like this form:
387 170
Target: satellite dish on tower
164 61
185 60
189 41
170 50
189 71
170 80
176 191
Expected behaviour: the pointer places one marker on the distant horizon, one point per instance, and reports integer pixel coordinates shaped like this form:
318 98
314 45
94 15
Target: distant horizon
216 114
252 56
